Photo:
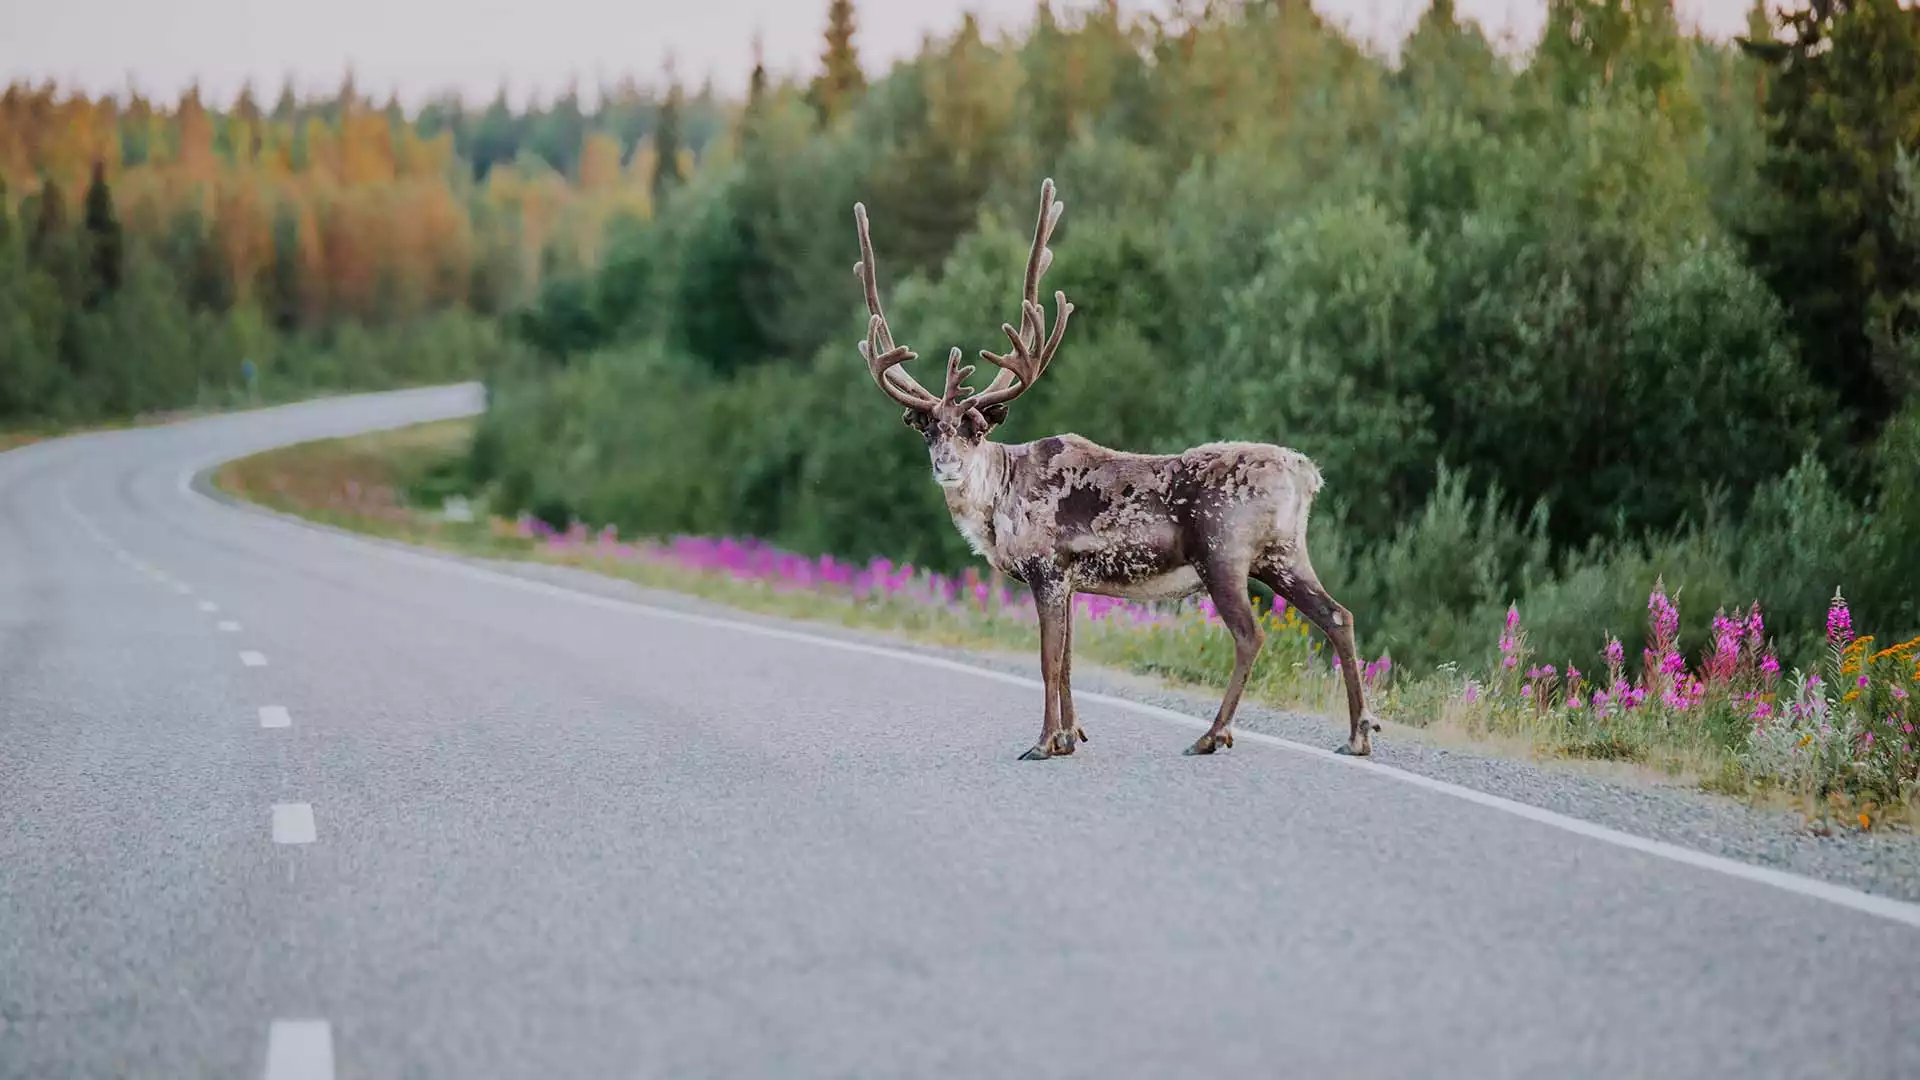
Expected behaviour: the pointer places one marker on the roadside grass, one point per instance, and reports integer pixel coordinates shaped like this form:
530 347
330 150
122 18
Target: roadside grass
1735 726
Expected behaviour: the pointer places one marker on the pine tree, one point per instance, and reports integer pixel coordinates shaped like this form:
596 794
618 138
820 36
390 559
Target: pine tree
287 105
840 81
666 141
497 138
107 247
49 223
757 82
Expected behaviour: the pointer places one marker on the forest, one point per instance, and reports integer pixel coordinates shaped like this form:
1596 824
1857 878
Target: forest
158 256
1635 307
1632 306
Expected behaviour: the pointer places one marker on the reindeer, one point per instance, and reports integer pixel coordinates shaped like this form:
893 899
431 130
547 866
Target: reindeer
1064 515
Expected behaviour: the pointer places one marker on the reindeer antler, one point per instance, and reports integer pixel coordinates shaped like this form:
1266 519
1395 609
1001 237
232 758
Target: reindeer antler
883 357
1033 346
1031 354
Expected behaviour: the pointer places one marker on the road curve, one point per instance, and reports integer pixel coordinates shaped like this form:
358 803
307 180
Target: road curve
279 803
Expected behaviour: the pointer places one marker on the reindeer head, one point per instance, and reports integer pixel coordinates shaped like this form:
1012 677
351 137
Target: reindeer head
956 423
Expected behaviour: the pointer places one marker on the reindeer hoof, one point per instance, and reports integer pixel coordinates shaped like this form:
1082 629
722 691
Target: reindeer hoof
1208 743
1361 747
1058 744
1080 732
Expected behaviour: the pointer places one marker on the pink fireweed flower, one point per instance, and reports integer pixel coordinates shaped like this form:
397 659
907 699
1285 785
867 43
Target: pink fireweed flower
1616 653
1666 617
1575 703
1527 691
1770 664
1839 622
1862 681
1899 693
1471 694
1725 657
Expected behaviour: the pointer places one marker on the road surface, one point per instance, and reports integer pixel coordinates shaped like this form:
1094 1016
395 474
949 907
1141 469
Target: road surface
280 803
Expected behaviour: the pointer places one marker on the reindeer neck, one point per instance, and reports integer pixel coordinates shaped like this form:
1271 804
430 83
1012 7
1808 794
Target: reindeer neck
973 502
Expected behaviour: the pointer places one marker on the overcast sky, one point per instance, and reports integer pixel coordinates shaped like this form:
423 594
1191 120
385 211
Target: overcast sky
419 46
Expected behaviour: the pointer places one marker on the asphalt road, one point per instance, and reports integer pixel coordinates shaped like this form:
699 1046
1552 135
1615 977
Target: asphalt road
504 830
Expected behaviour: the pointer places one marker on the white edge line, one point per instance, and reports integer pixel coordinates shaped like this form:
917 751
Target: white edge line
229 626
208 605
299 1050
253 659
293 823
1898 911
275 716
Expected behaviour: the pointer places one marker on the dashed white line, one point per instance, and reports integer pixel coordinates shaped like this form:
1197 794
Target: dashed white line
208 605
299 1050
293 823
275 716
229 626
253 659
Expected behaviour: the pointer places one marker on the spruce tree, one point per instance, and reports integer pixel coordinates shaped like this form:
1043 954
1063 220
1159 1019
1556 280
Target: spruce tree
666 141
840 81
106 246
757 82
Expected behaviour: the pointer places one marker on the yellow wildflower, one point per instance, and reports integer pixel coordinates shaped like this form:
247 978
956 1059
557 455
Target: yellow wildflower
1900 651
1850 656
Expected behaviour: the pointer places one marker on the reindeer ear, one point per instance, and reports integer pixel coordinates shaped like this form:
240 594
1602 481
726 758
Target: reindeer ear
995 414
910 417
980 421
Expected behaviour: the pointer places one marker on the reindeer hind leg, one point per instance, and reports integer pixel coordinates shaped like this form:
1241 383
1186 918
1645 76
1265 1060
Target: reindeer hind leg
1227 585
1300 587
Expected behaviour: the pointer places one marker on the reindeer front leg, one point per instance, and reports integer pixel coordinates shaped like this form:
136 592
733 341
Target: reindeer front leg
1050 599
1069 722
